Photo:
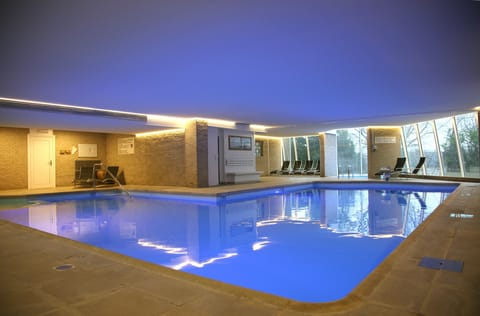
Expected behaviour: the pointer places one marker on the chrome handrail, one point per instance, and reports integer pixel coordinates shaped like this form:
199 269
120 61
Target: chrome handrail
111 175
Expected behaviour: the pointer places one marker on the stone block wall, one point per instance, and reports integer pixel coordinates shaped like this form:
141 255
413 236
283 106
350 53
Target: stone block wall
13 158
65 163
196 154
170 158
202 154
158 159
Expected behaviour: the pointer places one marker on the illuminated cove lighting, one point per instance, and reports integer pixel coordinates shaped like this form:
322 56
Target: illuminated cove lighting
166 121
161 132
149 119
383 126
269 137
216 122
59 107
258 128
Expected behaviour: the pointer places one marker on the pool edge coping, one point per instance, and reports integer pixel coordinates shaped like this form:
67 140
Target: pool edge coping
359 295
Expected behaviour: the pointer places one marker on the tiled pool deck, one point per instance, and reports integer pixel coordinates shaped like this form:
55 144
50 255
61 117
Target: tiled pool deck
104 283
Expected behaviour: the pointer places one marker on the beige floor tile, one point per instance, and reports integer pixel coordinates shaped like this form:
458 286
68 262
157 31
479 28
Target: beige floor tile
24 302
106 284
125 302
444 301
400 293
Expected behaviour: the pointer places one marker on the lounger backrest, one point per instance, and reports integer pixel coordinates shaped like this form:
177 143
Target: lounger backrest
297 164
400 164
308 164
419 165
86 173
113 170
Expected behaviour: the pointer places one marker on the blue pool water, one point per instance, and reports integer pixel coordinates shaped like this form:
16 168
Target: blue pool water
310 243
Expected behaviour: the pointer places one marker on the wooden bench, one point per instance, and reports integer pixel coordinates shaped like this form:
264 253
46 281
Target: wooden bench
242 177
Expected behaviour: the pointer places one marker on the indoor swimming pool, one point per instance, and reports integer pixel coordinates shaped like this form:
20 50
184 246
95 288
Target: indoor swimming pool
308 243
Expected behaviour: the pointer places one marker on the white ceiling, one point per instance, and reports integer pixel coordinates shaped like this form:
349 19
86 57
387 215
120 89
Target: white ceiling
302 67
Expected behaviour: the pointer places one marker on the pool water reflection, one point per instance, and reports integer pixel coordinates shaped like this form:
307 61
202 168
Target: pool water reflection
310 245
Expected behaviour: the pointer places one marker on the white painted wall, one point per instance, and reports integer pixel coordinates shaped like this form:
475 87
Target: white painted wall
235 161
330 157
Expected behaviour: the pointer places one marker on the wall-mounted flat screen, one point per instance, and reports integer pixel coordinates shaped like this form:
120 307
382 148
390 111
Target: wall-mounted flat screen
239 143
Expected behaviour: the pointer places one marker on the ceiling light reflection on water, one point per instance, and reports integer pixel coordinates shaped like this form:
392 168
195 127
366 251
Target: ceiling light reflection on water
311 245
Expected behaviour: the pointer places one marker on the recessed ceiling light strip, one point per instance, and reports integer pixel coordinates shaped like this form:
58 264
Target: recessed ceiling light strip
57 107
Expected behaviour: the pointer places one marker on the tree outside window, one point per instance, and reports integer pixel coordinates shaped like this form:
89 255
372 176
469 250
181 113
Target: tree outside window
352 151
448 147
467 129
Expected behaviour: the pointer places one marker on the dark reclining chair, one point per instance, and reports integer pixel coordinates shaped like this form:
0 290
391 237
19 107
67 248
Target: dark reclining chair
396 170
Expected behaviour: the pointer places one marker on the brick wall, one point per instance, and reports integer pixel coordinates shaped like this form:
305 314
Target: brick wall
13 158
202 154
172 158
158 159
65 163
196 154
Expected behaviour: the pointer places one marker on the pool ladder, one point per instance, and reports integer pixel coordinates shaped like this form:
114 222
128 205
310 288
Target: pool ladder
99 166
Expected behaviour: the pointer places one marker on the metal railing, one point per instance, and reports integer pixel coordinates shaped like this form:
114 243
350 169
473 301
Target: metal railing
100 166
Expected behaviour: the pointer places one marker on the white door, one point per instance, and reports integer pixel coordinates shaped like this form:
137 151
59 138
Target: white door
41 161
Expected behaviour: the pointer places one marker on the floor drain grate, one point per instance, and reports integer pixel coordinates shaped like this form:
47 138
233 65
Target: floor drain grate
441 264
64 267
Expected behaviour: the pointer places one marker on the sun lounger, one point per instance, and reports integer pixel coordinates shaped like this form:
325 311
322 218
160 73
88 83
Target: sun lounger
388 172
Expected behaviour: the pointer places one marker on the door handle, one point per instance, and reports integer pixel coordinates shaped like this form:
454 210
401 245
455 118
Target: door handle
50 163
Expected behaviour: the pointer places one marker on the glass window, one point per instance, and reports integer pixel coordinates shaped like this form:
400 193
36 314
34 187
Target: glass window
436 140
403 151
301 145
430 150
363 150
314 147
259 148
448 147
288 149
352 151
412 146
467 129
345 152
301 148
286 146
